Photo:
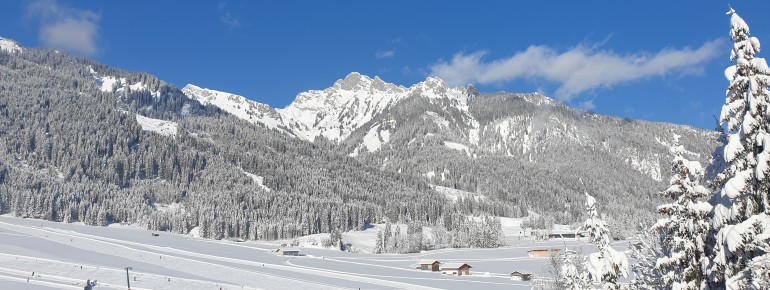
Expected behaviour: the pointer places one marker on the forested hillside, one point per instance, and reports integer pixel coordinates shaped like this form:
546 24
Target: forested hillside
74 149
80 141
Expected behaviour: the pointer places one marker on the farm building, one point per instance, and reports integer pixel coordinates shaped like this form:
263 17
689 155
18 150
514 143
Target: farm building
430 265
457 269
562 235
287 252
518 276
542 253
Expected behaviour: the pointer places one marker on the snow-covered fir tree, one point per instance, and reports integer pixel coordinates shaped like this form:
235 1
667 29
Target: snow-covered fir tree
573 275
683 227
607 265
742 201
645 254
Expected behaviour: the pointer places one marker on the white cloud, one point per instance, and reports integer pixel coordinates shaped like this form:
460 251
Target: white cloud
227 19
66 28
385 54
230 21
587 105
576 70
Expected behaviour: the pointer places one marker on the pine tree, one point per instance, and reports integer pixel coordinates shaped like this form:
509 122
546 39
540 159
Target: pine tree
741 214
378 248
606 265
684 227
386 238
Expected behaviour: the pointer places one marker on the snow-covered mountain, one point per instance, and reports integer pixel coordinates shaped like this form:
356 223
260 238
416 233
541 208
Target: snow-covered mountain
333 113
510 145
359 102
239 106
9 45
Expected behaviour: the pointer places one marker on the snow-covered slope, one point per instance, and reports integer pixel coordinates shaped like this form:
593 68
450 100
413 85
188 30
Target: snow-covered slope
337 111
163 127
236 105
9 45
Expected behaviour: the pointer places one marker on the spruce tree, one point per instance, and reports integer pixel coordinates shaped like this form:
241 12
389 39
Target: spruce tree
684 227
741 204
606 265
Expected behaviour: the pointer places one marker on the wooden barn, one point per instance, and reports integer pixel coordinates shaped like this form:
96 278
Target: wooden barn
457 269
542 253
287 252
518 276
430 265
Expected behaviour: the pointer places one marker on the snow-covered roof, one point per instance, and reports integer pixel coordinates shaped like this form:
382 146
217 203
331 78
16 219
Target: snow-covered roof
425 262
454 265
544 250
289 250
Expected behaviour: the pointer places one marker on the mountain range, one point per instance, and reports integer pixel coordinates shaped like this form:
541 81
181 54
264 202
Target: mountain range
82 141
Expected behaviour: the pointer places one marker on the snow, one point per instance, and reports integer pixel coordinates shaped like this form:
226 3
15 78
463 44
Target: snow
734 187
334 112
9 46
107 83
456 194
162 127
372 140
236 105
474 134
649 166
437 119
458 146
259 180
171 207
56 252
337 111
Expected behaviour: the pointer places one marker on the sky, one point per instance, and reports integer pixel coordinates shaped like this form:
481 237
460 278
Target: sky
652 60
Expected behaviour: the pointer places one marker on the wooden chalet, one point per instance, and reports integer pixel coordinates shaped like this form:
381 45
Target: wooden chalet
430 265
287 252
457 269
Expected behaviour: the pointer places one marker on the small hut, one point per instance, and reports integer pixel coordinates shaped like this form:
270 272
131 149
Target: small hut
543 253
457 269
518 276
287 252
430 265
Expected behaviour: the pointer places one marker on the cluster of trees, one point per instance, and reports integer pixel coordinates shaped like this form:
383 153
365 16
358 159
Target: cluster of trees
722 243
479 232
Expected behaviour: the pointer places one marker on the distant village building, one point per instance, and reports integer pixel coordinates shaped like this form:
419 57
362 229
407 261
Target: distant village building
430 265
457 269
518 276
542 253
562 235
287 252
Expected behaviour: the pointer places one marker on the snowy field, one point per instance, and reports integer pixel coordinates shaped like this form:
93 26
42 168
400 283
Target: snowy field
64 256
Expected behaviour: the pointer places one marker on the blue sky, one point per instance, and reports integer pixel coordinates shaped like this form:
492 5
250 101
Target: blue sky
654 60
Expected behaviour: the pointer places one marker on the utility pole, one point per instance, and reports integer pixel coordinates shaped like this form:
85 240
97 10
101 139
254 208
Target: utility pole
128 281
